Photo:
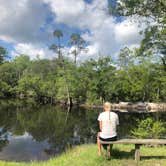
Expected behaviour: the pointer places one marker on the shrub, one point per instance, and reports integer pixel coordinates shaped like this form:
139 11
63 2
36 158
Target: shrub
149 128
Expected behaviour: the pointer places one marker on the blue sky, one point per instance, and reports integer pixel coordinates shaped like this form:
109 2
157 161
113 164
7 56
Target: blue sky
27 26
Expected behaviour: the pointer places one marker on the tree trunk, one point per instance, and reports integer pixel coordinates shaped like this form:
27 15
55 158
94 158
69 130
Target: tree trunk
59 48
69 98
164 62
75 57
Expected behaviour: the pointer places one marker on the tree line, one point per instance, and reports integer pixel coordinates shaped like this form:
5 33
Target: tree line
129 78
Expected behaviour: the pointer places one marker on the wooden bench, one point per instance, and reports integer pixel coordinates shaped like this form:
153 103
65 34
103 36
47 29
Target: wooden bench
137 143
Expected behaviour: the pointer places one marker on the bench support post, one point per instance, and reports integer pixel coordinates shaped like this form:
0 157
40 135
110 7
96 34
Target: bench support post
137 152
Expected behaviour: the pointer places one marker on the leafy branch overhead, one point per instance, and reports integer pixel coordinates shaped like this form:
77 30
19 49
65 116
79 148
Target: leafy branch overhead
154 41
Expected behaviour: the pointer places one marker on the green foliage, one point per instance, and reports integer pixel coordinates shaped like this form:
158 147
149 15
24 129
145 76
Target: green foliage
149 128
153 42
4 89
3 54
78 43
131 78
155 9
92 82
57 48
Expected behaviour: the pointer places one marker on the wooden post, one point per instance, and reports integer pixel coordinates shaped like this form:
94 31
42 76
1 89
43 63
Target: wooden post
137 153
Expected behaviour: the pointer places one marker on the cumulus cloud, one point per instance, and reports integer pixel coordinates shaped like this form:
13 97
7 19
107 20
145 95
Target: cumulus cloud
23 22
38 51
105 34
32 51
66 11
79 14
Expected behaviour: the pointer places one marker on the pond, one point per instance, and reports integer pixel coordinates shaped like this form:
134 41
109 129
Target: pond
29 131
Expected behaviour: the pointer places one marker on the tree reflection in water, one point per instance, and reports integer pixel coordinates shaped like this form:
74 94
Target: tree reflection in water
59 127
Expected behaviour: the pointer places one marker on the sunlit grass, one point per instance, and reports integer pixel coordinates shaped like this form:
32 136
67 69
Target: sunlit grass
86 155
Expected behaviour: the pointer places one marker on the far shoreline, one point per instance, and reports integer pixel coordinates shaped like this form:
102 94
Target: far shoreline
133 106
119 107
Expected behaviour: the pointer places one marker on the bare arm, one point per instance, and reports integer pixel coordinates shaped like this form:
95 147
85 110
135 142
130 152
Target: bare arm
100 125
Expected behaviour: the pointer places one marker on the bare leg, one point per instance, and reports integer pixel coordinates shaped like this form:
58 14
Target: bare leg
110 150
98 145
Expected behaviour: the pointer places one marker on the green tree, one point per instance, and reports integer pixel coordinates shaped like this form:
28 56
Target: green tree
125 58
154 39
99 75
4 89
78 43
3 54
21 63
57 48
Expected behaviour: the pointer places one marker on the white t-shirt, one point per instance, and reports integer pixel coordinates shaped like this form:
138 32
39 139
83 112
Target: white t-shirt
108 125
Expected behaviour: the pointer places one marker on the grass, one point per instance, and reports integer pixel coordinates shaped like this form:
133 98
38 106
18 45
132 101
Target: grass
86 155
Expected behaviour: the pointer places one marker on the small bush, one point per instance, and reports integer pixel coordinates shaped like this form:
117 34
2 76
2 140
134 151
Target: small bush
149 128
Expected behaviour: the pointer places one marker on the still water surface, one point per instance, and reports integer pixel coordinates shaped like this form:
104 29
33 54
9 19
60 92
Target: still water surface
29 131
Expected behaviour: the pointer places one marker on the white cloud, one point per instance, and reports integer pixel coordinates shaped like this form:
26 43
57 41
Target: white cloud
127 32
78 13
38 51
66 10
106 35
33 51
21 20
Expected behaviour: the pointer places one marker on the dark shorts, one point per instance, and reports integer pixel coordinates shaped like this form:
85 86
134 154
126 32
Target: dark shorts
107 139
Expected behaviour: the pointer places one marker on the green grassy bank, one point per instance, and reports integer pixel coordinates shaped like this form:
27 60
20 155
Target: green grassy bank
86 155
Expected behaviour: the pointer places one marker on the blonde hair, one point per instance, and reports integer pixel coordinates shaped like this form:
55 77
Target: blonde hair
108 105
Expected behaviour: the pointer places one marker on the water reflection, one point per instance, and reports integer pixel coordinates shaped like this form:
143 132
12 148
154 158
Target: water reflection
47 129
29 131
24 147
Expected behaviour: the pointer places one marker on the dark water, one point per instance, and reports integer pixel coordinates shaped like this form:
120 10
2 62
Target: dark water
29 131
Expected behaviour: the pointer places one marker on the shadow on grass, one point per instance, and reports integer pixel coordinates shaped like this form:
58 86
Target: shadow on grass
152 157
122 154
117 154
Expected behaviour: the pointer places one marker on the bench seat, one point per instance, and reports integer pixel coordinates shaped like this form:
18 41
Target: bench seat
137 143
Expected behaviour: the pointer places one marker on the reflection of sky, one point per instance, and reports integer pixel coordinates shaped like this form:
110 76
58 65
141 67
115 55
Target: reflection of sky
4 134
24 148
